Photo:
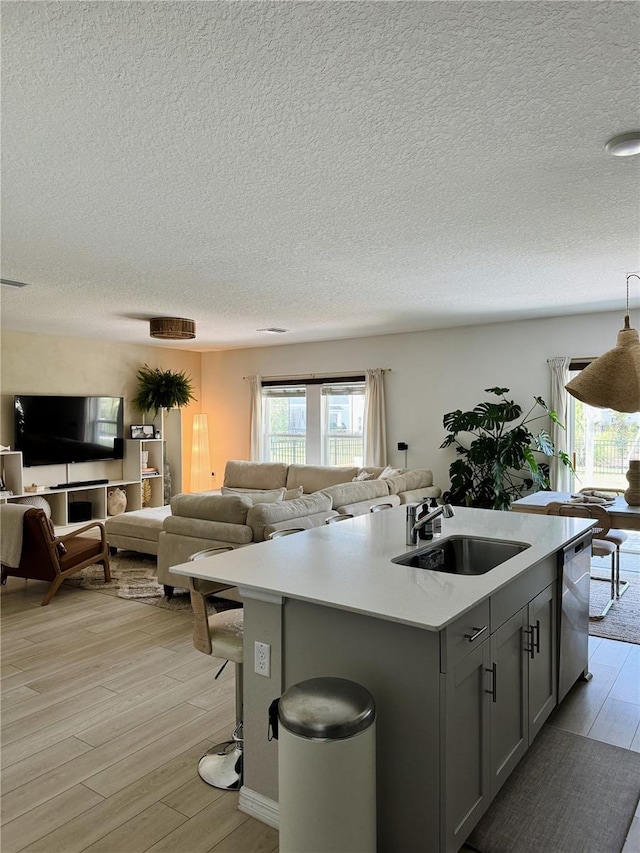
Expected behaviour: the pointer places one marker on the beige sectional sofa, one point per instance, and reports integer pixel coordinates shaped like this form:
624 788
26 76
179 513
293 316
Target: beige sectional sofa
260 497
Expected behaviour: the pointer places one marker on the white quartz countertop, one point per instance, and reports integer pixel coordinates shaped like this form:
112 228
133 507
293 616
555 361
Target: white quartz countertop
347 565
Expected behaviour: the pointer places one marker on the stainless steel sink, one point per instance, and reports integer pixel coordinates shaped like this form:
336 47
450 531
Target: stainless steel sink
462 555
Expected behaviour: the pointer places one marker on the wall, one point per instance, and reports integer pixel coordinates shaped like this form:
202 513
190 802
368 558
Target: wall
46 364
431 373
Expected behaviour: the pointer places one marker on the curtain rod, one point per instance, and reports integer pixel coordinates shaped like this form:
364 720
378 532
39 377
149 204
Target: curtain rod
331 375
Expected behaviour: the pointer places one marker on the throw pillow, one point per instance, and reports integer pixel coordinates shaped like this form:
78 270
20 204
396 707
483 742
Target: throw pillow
388 472
256 496
363 475
292 494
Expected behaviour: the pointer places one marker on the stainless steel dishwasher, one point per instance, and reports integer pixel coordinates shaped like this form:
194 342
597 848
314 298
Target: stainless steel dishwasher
573 628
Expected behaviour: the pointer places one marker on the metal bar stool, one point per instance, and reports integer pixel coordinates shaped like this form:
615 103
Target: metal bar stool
340 517
379 507
221 635
285 531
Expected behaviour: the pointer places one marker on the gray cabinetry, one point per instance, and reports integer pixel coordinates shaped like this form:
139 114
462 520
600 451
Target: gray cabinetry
494 698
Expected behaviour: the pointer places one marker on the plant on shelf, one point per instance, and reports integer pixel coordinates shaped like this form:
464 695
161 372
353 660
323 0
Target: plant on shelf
162 389
496 450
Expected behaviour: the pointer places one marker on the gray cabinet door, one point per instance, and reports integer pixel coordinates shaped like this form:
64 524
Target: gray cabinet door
465 746
542 658
509 702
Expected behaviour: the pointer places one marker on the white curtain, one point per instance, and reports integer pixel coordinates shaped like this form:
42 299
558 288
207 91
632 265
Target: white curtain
559 474
375 430
255 388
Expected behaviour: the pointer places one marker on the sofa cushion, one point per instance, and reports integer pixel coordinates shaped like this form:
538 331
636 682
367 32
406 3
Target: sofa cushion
313 478
364 507
255 475
202 528
230 509
409 480
261 515
350 493
262 496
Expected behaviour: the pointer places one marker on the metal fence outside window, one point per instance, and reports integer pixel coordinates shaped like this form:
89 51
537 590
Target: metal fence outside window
341 449
608 457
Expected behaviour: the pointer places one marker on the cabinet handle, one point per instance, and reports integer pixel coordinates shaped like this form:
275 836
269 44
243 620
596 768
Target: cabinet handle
537 629
494 682
531 651
478 631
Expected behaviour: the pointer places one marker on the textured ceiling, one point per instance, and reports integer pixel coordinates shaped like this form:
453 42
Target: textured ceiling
338 169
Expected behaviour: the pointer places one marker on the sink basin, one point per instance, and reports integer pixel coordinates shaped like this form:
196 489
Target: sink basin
462 555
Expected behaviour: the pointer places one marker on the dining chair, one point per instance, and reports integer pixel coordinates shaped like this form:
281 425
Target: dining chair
600 546
618 537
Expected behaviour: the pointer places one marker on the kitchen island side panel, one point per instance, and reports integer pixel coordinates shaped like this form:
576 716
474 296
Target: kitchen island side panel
399 665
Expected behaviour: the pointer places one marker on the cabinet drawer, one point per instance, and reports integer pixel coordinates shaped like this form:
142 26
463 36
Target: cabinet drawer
464 635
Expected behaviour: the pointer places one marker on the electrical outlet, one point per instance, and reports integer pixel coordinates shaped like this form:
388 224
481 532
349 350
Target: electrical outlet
262 659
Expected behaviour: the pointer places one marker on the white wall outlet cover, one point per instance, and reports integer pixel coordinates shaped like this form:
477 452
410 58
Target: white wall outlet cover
262 659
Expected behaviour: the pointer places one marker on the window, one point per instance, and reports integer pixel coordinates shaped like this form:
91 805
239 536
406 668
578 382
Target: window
603 441
319 422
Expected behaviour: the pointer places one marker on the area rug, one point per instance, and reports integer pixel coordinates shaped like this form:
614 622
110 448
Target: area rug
569 794
133 576
622 622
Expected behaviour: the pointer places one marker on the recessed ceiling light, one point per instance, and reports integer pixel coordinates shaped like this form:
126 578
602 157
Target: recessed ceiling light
274 330
625 145
7 282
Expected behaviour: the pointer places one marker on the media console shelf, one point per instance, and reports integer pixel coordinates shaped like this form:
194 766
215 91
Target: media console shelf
16 477
129 475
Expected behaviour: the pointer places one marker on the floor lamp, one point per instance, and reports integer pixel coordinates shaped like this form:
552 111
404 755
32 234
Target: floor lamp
200 458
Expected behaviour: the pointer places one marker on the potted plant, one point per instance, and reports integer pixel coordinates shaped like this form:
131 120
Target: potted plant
162 389
496 452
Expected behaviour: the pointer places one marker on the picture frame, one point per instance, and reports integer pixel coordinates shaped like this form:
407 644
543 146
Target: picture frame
137 430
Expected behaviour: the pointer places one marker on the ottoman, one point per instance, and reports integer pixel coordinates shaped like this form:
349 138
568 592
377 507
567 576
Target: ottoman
138 530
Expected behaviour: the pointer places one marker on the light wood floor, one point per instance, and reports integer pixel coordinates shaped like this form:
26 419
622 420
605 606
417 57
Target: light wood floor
106 708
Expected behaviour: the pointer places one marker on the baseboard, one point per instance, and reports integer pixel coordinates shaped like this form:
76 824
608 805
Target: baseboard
258 806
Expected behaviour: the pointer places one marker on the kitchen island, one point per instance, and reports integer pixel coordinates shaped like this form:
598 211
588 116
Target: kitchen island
463 669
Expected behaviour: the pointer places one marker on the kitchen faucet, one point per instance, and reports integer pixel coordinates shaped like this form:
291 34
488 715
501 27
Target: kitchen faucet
414 526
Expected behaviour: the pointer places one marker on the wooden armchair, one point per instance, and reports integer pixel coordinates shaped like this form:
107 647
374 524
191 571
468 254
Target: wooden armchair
47 557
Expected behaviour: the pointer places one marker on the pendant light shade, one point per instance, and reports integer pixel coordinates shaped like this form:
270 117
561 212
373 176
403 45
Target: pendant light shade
612 381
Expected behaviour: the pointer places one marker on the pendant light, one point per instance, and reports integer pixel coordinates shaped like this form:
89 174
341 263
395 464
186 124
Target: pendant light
612 381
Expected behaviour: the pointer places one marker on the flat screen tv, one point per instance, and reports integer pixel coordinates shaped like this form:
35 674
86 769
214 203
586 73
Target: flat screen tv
53 430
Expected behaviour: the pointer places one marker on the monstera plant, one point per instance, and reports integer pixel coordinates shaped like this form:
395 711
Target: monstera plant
162 389
496 451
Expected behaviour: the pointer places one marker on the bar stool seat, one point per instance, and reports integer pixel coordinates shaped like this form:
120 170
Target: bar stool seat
220 635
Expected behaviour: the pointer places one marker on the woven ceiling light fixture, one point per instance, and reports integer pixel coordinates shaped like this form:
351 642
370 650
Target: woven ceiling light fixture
172 328
612 381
